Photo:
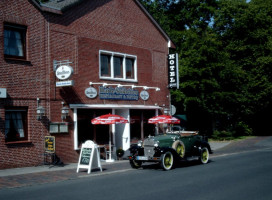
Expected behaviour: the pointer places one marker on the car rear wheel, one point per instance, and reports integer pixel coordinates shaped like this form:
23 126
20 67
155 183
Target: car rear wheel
204 155
167 161
135 164
180 148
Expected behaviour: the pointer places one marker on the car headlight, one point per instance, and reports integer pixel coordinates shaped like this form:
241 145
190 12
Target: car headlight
156 143
140 143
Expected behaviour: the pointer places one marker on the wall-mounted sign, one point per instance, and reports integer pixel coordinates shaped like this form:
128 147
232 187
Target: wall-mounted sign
173 110
89 157
64 72
173 73
49 144
144 95
3 93
65 83
118 93
91 92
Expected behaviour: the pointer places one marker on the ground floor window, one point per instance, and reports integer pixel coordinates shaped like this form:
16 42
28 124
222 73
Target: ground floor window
87 131
139 127
15 125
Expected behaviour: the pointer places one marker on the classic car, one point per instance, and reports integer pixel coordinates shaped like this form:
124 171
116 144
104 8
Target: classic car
169 148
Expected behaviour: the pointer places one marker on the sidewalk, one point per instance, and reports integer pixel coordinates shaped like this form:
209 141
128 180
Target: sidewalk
48 168
19 177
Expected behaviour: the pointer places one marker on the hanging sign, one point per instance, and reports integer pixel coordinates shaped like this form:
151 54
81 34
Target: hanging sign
173 73
89 157
64 72
65 83
91 92
49 144
144 95
118 93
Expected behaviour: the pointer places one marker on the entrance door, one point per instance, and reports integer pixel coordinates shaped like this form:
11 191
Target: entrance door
139 127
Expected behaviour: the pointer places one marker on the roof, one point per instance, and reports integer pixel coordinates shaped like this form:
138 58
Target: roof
59 6
56 6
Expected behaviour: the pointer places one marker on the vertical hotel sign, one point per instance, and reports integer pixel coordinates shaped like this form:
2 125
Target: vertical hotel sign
173 73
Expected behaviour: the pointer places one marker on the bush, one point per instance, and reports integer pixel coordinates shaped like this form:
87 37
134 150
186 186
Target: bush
242 129
222 135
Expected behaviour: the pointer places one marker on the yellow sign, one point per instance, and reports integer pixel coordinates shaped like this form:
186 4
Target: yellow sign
49 144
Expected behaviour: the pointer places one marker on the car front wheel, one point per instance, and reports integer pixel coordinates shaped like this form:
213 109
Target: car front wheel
135 164
167 161
204 155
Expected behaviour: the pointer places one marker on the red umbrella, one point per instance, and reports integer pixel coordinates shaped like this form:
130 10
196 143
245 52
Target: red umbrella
109 119
163 119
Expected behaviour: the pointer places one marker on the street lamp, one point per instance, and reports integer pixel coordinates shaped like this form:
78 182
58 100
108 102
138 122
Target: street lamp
40 110
64 111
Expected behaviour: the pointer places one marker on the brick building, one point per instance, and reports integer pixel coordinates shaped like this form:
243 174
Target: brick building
88 57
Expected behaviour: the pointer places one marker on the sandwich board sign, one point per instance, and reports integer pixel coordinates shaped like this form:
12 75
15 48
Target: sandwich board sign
89 157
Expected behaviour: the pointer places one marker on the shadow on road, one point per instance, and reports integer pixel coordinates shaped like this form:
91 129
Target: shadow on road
181 164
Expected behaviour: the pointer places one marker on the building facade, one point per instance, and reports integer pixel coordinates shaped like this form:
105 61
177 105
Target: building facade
66 62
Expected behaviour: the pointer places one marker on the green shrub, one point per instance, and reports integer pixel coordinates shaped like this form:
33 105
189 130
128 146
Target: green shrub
222 135
242 129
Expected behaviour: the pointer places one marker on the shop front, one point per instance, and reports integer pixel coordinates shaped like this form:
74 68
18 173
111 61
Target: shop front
123 135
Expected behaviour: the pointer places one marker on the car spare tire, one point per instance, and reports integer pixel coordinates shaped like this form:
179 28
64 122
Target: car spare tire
180 148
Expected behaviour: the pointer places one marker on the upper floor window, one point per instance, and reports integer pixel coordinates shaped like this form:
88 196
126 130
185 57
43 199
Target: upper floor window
118 66
15 125
14 41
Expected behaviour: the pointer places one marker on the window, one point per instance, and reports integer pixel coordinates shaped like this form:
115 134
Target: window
117 66
15 125
129 68
14 41
105 65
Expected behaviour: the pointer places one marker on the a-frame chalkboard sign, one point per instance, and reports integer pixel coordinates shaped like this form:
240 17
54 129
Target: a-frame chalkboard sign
89 157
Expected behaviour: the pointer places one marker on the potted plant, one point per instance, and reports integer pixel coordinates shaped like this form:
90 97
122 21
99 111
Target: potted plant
120 152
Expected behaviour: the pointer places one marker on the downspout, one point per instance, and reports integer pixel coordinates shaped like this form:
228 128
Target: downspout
49 61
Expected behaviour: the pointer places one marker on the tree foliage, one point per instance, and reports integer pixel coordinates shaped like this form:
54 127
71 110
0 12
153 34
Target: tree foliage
225 50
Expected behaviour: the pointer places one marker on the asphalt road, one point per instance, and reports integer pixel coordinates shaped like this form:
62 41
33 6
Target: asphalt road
238 175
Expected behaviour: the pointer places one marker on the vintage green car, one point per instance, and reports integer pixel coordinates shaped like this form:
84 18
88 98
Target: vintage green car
169 148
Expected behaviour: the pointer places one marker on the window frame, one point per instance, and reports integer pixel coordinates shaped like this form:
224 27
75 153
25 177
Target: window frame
22 30
24 115
123 70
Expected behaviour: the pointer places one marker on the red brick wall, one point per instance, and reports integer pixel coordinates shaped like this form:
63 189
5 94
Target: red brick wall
77 35
24 81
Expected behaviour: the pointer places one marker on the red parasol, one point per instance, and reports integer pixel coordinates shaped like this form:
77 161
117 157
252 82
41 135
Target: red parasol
163 119
109 119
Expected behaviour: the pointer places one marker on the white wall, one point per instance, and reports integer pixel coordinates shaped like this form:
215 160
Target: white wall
122 131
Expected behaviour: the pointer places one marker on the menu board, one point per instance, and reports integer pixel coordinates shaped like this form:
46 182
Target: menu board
85 156
89 157
49 144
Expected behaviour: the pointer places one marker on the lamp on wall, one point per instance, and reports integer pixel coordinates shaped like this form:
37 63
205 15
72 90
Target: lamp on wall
121 85
64 111
40 110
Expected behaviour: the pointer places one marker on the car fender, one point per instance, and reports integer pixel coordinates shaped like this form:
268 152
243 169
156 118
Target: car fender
206 144
135 149
163 150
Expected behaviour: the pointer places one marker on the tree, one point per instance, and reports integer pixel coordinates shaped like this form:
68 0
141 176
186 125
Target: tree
246 32
225 49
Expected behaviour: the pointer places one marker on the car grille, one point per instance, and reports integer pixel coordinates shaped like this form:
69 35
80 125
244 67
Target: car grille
149 147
